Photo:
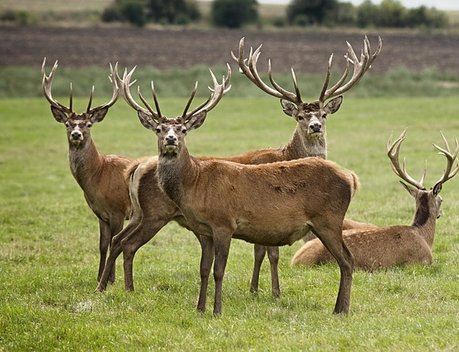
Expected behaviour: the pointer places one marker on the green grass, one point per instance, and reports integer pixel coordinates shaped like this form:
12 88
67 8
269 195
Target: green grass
26 82
49 240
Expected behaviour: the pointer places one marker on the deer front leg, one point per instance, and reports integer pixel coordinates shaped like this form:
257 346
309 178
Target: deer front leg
207 258
259 252
222 241
115 251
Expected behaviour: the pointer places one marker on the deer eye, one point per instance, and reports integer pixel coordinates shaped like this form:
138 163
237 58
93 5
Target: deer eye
89 124
158 130
324 116
183 130
67 124
300 118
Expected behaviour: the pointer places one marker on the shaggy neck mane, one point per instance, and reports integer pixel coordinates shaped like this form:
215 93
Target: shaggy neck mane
302 146
85 161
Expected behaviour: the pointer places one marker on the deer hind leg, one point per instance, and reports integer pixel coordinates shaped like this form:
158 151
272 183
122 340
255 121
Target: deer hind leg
332 239
115 251
104 243
116 225
259 252
142 234
207 258
273 256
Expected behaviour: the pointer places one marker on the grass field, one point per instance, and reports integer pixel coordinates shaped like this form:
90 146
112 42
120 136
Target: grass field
49 242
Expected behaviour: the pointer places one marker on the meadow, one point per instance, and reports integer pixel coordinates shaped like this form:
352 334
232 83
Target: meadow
49 240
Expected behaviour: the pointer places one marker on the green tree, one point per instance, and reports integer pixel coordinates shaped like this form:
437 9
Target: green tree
314 11
173 11
132 11
234 13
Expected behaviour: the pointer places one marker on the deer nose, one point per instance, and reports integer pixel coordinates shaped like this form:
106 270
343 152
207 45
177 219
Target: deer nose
315 127
171 139
76 134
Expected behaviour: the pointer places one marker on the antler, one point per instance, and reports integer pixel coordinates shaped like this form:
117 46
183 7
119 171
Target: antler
155 115
217 92
450 158
393 151
116 90
47 83
249 68
359 68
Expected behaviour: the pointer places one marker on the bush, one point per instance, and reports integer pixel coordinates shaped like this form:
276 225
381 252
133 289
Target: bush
174 11
314 10
132 11
234 13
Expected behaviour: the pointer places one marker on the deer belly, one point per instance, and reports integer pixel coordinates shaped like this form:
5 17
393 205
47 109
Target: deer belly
274 235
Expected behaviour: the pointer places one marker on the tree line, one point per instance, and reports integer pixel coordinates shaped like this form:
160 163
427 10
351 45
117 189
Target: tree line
237 13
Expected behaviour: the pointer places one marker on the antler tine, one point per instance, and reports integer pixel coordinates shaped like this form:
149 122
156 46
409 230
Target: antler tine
393 154
262 85
47 82
217 93
360 67
450 159
90 99
154 114
128 97
115 94
327 80
193 93
241 61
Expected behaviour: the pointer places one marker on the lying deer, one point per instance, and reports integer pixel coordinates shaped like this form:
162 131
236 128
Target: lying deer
270 204
394 245
308 140
101 177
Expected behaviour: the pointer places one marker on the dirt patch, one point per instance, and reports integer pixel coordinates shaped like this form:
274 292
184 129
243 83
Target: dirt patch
307 52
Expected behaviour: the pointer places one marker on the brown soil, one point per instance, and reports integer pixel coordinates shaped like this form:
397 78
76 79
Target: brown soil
307 52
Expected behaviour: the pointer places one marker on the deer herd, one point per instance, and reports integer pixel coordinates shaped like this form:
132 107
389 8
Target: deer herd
268 197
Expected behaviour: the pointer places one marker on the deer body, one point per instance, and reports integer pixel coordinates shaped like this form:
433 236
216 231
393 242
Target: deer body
101 177
394 245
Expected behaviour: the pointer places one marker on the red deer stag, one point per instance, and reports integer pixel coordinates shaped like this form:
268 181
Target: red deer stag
394 245
101 177
306 141
309 136
271 204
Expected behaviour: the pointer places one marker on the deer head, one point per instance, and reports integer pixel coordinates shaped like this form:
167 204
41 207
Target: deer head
172 131
78 125
309 116
428 202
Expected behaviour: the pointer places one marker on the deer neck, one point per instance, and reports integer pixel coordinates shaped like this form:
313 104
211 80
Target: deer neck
85 162
425 221
304 145
174 172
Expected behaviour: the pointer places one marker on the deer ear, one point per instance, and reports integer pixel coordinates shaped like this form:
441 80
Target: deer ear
146 120
436 189
59 115
333 105
196 121
99 115
289 108
411 190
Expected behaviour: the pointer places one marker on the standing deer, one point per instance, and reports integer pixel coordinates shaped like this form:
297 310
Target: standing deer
101 177
394 245
308 140
271 204
309 136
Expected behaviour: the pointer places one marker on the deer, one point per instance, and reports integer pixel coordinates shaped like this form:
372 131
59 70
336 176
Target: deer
309 137
101 177
307 140
399 244
271 204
